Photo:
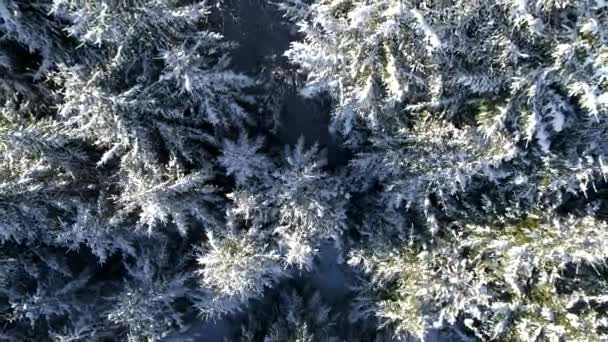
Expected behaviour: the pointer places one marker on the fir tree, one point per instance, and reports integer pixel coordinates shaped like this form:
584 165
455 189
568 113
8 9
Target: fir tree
143 188
462 113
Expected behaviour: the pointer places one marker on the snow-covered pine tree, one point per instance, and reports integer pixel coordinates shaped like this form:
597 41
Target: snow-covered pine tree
141 189
293 205
33 42
384 61
468 114
522 277
108 145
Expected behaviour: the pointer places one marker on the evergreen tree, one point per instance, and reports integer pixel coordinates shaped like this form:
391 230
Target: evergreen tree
461 115
294 320
293 204
107 147
524 277
143 188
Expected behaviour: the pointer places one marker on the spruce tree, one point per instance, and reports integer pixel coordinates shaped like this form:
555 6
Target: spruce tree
144 188
477 131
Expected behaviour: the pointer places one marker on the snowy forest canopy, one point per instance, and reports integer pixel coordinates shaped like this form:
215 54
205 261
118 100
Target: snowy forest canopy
303 170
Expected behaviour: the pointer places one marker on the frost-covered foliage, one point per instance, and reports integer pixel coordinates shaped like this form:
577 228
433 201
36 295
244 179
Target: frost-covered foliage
236 269
109 122
294 203
33 41
521 278
163 86
530 65
478 131
144 185
293 319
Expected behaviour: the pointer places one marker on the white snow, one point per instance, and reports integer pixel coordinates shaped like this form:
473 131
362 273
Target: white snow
360 16
543 139
558 121
432 38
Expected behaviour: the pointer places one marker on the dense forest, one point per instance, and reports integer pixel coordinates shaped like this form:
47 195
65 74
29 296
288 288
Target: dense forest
303 170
